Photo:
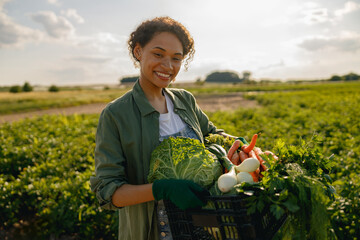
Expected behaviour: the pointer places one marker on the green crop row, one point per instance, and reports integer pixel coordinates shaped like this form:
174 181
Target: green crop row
45 163
30 101
45 166
330 111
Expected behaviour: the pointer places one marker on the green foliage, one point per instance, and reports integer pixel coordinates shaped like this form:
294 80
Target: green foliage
184 158
15 89
129 79
335 78
298 183
223 77
332 111
45 166
27 87
347 77
23 102
54 88
44 162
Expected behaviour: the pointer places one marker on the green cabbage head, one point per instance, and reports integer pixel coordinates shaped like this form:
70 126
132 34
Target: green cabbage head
184 158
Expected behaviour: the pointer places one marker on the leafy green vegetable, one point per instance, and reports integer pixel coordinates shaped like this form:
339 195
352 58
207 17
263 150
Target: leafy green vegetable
184 158
296 184
225 142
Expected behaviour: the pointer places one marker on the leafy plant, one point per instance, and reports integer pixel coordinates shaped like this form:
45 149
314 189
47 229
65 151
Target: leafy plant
184 158
297 184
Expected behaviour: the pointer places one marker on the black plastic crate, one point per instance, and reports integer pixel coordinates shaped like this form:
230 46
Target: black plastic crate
225 218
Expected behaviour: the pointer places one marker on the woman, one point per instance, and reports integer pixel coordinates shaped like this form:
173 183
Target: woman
132 126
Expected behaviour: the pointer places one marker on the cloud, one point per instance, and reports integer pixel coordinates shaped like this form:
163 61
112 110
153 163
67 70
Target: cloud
104 42
54 2
347 42
90 59
55 26
348 8
13 34
280 63
2 3
72 14
314 14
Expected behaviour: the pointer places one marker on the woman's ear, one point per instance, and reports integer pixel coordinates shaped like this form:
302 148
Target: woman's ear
137 51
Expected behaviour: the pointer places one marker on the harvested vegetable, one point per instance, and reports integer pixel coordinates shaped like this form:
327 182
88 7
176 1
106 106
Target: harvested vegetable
248 165
184 158
227 181
235 158
244 177
233 150
248 148
243 156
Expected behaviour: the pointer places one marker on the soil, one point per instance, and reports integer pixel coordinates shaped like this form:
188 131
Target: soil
208 103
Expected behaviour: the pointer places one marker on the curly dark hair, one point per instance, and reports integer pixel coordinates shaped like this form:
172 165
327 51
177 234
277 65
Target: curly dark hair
147 30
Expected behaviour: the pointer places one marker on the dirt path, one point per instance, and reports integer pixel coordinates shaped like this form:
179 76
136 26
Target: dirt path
210 103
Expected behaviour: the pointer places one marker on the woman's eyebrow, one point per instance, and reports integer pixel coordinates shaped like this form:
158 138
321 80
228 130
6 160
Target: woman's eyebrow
162 49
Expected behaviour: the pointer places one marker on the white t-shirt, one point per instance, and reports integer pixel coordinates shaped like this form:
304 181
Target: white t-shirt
170 122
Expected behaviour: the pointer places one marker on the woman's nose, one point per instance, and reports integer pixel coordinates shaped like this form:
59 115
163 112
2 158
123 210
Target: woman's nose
167 63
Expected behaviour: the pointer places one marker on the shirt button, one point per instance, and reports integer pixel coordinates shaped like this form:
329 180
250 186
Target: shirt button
185 118
163 234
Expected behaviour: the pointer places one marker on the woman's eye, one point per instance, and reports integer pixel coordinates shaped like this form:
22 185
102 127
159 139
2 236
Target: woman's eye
157 54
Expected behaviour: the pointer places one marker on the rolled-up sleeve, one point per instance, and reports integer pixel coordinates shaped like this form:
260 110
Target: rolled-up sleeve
110 163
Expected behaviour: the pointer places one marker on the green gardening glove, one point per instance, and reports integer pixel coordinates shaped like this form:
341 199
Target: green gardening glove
183 193
243 140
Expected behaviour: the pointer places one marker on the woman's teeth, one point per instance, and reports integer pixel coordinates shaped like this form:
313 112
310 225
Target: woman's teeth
163 75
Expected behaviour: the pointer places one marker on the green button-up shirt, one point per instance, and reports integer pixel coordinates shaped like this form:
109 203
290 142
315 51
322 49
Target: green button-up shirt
127 133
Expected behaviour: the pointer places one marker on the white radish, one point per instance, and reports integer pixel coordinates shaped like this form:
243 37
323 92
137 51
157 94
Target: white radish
248 165
244 177
227 181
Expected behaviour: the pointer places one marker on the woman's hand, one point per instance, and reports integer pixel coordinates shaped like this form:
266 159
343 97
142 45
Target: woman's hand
183 193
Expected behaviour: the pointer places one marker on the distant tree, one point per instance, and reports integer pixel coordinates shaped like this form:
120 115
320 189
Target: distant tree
199 82
246 76
129 79
335 78
27 87
351 77
15 89
53 88
223 77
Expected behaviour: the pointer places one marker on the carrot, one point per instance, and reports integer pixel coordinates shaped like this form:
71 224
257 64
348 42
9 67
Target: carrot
253 155
251 146
255 175
258 152
243 156
262 167
233 149
235 158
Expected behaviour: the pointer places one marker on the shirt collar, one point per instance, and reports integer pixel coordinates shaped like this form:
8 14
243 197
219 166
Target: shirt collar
177 103
144 105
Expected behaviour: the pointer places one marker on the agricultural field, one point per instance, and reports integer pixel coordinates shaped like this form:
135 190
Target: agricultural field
46 162
30 101
38 100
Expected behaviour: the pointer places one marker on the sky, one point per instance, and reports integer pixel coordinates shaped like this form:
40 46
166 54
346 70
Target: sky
79 42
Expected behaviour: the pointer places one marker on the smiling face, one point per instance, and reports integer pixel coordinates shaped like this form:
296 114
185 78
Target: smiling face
160 60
